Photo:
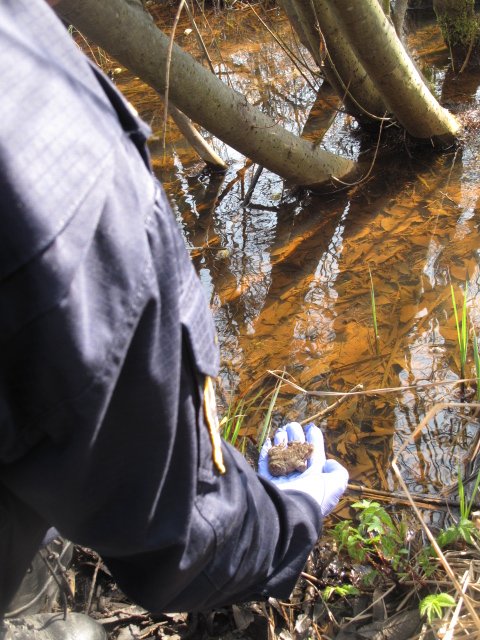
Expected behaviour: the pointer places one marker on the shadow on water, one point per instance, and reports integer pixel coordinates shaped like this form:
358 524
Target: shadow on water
287 275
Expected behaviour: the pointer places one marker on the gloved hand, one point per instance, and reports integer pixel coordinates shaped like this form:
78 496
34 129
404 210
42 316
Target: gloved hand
324 480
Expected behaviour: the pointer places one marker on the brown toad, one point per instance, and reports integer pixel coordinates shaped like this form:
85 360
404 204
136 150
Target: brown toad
285 459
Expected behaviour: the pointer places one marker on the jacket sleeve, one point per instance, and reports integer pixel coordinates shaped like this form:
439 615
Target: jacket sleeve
107 343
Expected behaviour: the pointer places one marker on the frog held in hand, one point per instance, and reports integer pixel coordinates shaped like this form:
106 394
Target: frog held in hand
323 480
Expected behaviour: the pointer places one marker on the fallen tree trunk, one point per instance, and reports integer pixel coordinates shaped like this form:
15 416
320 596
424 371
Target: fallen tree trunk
185 125
195 140
132 38
391 69
345 70
334 56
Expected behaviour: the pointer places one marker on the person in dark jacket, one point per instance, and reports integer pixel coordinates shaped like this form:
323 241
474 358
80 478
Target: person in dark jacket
108 351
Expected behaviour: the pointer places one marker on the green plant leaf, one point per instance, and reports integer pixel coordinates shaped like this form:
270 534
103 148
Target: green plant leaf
474 495
327 592
461 326
340 590
448 536
432 606
466 529
476 359
375 524
268 418
374 314
365 504
368 579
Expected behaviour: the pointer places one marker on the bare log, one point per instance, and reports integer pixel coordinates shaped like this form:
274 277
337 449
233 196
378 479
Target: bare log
334 56
184 124
195 140
138 44
388 64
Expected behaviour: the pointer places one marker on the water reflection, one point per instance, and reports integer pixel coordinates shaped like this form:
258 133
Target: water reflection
287 274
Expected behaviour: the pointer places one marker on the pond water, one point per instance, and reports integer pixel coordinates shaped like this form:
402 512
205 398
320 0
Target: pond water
288 274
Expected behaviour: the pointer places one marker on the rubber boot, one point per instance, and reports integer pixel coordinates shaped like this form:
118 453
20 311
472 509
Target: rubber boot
53 626
40 588
29 614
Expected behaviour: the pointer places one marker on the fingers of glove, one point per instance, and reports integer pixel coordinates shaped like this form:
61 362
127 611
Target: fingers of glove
280 437
314 436
326 487
263 459
267 445
335 482
285 481
311 484
295 432
319 489
330 499
332 468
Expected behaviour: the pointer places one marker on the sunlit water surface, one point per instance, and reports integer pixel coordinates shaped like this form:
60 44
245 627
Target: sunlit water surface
287 275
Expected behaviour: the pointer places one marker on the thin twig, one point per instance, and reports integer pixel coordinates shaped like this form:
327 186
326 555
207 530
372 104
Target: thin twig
200 40
372 164
383 390
167 73
93 584
296 62
456 613
425 501
253 184
437 548
332 407
214 42
469 53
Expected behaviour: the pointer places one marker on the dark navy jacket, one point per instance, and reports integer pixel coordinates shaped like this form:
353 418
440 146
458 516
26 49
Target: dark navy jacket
105 342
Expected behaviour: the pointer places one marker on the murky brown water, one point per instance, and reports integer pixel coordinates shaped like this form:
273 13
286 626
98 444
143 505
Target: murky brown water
287 275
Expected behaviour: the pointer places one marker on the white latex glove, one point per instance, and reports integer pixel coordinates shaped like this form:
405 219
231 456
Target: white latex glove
324 480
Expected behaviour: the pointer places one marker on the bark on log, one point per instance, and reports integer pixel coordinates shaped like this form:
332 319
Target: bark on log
388 64
195 140
339 64
184 124
139 45
345 71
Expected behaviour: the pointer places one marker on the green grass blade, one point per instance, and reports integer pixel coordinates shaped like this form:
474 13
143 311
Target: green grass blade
464 327
461 325
461 495
474 494
238 422
476 358
227 421
233 420
268 418
455 312
374 313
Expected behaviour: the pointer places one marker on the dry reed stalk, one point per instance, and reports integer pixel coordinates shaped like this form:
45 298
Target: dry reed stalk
200 40
289 53
424 501
443 560
332 407
167 72
379 391
456 613
437 549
